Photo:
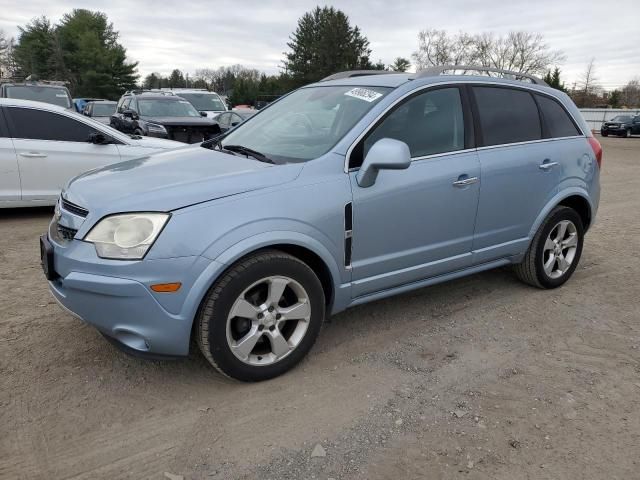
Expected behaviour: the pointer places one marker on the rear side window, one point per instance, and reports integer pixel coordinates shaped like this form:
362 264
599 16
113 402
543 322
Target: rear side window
507 115
39 125
556 119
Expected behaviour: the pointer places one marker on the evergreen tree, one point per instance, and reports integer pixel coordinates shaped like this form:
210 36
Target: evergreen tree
83 50
325 43
553 79
400 64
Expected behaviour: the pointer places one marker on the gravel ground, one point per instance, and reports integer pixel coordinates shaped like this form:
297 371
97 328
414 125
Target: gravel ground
478 378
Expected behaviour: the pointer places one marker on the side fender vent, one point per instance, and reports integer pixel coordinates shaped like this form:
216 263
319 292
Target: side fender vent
348 233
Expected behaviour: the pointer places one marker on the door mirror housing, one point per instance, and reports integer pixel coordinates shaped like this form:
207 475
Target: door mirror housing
98 138
385 154
203 114
130 114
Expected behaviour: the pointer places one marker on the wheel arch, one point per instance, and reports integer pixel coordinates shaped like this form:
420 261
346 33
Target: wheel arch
575 198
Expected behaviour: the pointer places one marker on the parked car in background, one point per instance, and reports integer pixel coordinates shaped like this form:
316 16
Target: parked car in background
100 110
42 146
80 103
228 120
54 93
162 115
621 125
349 190
204 101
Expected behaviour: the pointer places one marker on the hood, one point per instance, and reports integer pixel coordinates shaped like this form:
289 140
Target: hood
173 179
180 121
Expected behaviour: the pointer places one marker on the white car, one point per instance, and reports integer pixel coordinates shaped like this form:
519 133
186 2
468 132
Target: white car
42 146
204 101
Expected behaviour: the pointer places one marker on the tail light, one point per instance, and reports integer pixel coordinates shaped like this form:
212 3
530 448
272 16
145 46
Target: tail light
597 150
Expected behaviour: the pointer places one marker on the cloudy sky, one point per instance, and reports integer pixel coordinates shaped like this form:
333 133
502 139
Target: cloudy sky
190 34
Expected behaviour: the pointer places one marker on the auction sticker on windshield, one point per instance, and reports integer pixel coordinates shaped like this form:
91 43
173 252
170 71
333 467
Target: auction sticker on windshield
364 94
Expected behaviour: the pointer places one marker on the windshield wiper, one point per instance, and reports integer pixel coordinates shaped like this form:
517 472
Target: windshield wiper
248 152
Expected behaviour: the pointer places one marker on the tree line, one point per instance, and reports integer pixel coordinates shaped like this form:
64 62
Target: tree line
83 50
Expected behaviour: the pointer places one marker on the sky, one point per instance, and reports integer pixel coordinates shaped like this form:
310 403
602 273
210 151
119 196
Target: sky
191 34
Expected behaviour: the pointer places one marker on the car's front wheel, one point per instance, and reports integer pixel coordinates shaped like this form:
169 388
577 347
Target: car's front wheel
261 317
604 134
555 250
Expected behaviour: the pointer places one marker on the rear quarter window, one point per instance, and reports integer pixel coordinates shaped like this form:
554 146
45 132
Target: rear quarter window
557 121
507 115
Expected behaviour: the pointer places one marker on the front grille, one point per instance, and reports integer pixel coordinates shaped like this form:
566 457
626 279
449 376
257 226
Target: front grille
190 134
75 209
66 233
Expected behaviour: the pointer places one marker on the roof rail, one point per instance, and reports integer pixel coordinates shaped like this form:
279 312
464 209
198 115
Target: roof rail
355 73
441 69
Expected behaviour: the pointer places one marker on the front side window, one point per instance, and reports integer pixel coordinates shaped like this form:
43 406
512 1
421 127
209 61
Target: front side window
556 119
54 95
40 125
204 101
429 123
507 115
166 108
307 123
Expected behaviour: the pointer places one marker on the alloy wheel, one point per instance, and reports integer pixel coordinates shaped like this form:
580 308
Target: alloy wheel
560 249
268 320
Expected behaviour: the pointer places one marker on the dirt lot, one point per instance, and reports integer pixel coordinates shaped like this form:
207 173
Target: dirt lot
480 378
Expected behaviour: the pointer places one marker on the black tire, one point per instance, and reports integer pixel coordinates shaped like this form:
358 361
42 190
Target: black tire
139 132
531 269
211 321
605 134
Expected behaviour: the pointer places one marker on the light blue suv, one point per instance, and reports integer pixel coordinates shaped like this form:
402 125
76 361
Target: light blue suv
349 190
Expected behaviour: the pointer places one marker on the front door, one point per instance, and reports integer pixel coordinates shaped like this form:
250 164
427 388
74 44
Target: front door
51 149
417 223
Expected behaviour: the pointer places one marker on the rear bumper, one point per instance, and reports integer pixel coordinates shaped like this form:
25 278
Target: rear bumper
115 297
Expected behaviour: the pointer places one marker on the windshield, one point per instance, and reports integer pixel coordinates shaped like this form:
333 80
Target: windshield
204 101
621 118
55 95
103 109
161 107
307 123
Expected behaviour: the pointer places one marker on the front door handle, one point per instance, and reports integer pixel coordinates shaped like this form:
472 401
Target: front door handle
465 181
33 154
546 165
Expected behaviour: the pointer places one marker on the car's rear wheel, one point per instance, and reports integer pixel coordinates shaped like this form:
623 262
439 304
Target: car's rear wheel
262 317
555 250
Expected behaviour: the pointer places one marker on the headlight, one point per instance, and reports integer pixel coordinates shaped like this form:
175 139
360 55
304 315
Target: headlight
127 236
155 128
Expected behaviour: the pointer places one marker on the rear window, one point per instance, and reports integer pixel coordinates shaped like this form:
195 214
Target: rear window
55 95
103 109
556 119
507 115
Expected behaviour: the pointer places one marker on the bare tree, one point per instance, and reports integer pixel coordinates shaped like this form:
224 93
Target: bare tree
522 52
630 94
7 64
587 90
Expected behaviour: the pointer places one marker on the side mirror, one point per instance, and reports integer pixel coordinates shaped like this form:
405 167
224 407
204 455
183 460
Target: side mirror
203 114
385 154
98 138
233 124
130 114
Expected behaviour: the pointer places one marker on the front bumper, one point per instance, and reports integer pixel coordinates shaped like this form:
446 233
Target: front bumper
115 296
613 131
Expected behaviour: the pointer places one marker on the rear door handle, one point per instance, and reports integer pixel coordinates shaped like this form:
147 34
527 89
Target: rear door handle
547 165
33 154
465 181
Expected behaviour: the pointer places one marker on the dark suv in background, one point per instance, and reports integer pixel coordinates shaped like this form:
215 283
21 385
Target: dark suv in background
162 115
622 125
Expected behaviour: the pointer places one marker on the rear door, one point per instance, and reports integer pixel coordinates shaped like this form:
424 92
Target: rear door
9 173
521 169
51 149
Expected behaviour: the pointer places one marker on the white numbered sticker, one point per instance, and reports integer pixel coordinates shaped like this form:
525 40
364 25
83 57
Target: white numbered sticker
364 94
